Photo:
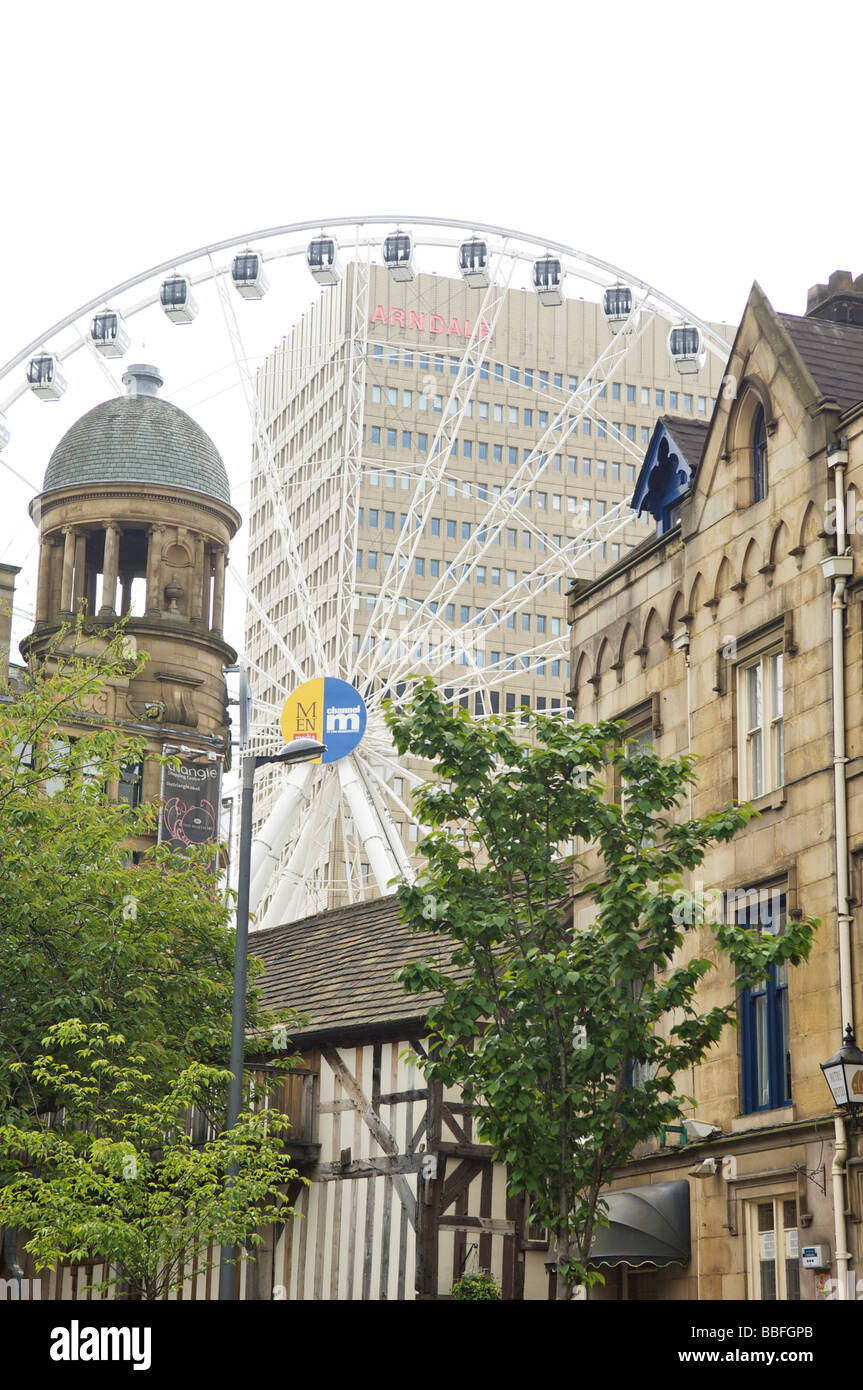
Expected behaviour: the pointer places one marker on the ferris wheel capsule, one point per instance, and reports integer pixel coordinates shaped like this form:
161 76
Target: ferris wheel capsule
108 334
398 255
473 263
5 432
248 274
617 306
177 300
686 347
45 378
322 258
547 280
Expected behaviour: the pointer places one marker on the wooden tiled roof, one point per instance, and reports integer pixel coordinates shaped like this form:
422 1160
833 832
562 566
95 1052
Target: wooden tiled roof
337 967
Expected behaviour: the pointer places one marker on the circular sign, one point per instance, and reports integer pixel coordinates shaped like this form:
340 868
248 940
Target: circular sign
329 710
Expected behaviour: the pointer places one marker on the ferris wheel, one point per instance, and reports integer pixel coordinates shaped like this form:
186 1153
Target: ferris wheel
448 506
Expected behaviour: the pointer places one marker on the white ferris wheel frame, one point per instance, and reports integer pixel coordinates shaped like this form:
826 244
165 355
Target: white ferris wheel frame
300 824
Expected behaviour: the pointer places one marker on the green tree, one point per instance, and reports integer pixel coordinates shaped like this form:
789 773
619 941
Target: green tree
85 932
119 1179
545 1026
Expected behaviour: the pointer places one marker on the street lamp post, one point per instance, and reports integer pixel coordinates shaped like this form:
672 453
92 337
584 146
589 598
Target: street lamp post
300 750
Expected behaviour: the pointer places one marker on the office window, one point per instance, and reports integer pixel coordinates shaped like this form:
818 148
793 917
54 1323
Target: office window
483 410
482 449
394 357
513 414
419 565
528 417
600 429
437 404
435 525
450 530
467 448
630 395
497 453
483 371
585 427
761 754
389 521
672 400
438 362
615 472
480 574
687 401
630 433
495 576
376 434
772 1241
130 782
378 352
630 472
542 501
406 439
376 395
601 468
585 467
645 395
525 540
573 383
513 456
702 405
660 400
543 419
511 536
498 414
422 401
434 569
422 442
498 371
391 438
373 477
373 516
392 396
407 399
465 530
372 559
409 357
645 434
615 390
453 366
528 376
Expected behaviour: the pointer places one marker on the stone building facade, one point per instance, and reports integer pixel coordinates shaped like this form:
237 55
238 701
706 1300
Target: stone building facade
135 521
736 633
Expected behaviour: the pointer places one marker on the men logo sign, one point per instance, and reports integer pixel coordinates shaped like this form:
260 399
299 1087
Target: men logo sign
329 710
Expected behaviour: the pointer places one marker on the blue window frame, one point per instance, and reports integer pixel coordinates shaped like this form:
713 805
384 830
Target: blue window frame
765 1044
759 456
376 434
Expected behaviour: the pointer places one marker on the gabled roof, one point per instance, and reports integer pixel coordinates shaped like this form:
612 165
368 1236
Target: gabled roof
833 353
337 968
670 464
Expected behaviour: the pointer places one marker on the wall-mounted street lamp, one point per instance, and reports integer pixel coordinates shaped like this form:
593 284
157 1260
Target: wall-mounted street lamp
844 1075
300 750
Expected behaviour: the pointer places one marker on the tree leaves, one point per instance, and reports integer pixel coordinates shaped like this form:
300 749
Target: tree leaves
520 980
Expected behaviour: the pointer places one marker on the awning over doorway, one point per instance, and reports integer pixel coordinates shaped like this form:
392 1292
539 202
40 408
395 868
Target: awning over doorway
648 1227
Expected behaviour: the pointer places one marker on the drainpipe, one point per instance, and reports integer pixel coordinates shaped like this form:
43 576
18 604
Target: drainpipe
838 568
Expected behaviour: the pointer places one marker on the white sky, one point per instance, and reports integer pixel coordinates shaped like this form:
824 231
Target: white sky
699 146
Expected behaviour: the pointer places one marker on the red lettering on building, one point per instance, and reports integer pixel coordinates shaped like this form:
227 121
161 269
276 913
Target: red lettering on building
379 316
436 318
436 323
454 327
397 316
417 320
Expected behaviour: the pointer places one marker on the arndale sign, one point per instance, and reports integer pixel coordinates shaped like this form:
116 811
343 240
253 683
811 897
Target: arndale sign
433 323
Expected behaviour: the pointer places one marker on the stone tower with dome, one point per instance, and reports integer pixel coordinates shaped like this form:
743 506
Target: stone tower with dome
135 521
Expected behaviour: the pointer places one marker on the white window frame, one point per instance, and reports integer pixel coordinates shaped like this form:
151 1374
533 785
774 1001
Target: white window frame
760 724
783 1249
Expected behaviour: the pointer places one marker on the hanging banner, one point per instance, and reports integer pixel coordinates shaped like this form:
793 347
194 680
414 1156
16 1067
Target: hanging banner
191 800
329 710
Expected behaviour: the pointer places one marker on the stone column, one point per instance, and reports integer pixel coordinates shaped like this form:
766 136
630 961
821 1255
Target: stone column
78 590
43 591
125 593
154 571
220 560
109 571
68 568
196 604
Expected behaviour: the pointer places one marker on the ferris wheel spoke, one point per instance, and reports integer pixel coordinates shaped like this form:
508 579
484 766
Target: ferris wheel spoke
461 391
264 618
293 562
352 465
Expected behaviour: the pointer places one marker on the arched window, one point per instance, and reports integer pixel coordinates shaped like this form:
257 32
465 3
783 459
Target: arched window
759 456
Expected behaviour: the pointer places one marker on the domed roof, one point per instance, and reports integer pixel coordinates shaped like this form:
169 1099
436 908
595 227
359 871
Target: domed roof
138 439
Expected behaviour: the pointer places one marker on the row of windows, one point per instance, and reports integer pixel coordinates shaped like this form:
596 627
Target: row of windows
531 378
441 526
479 448
604 469
433 567
450 653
